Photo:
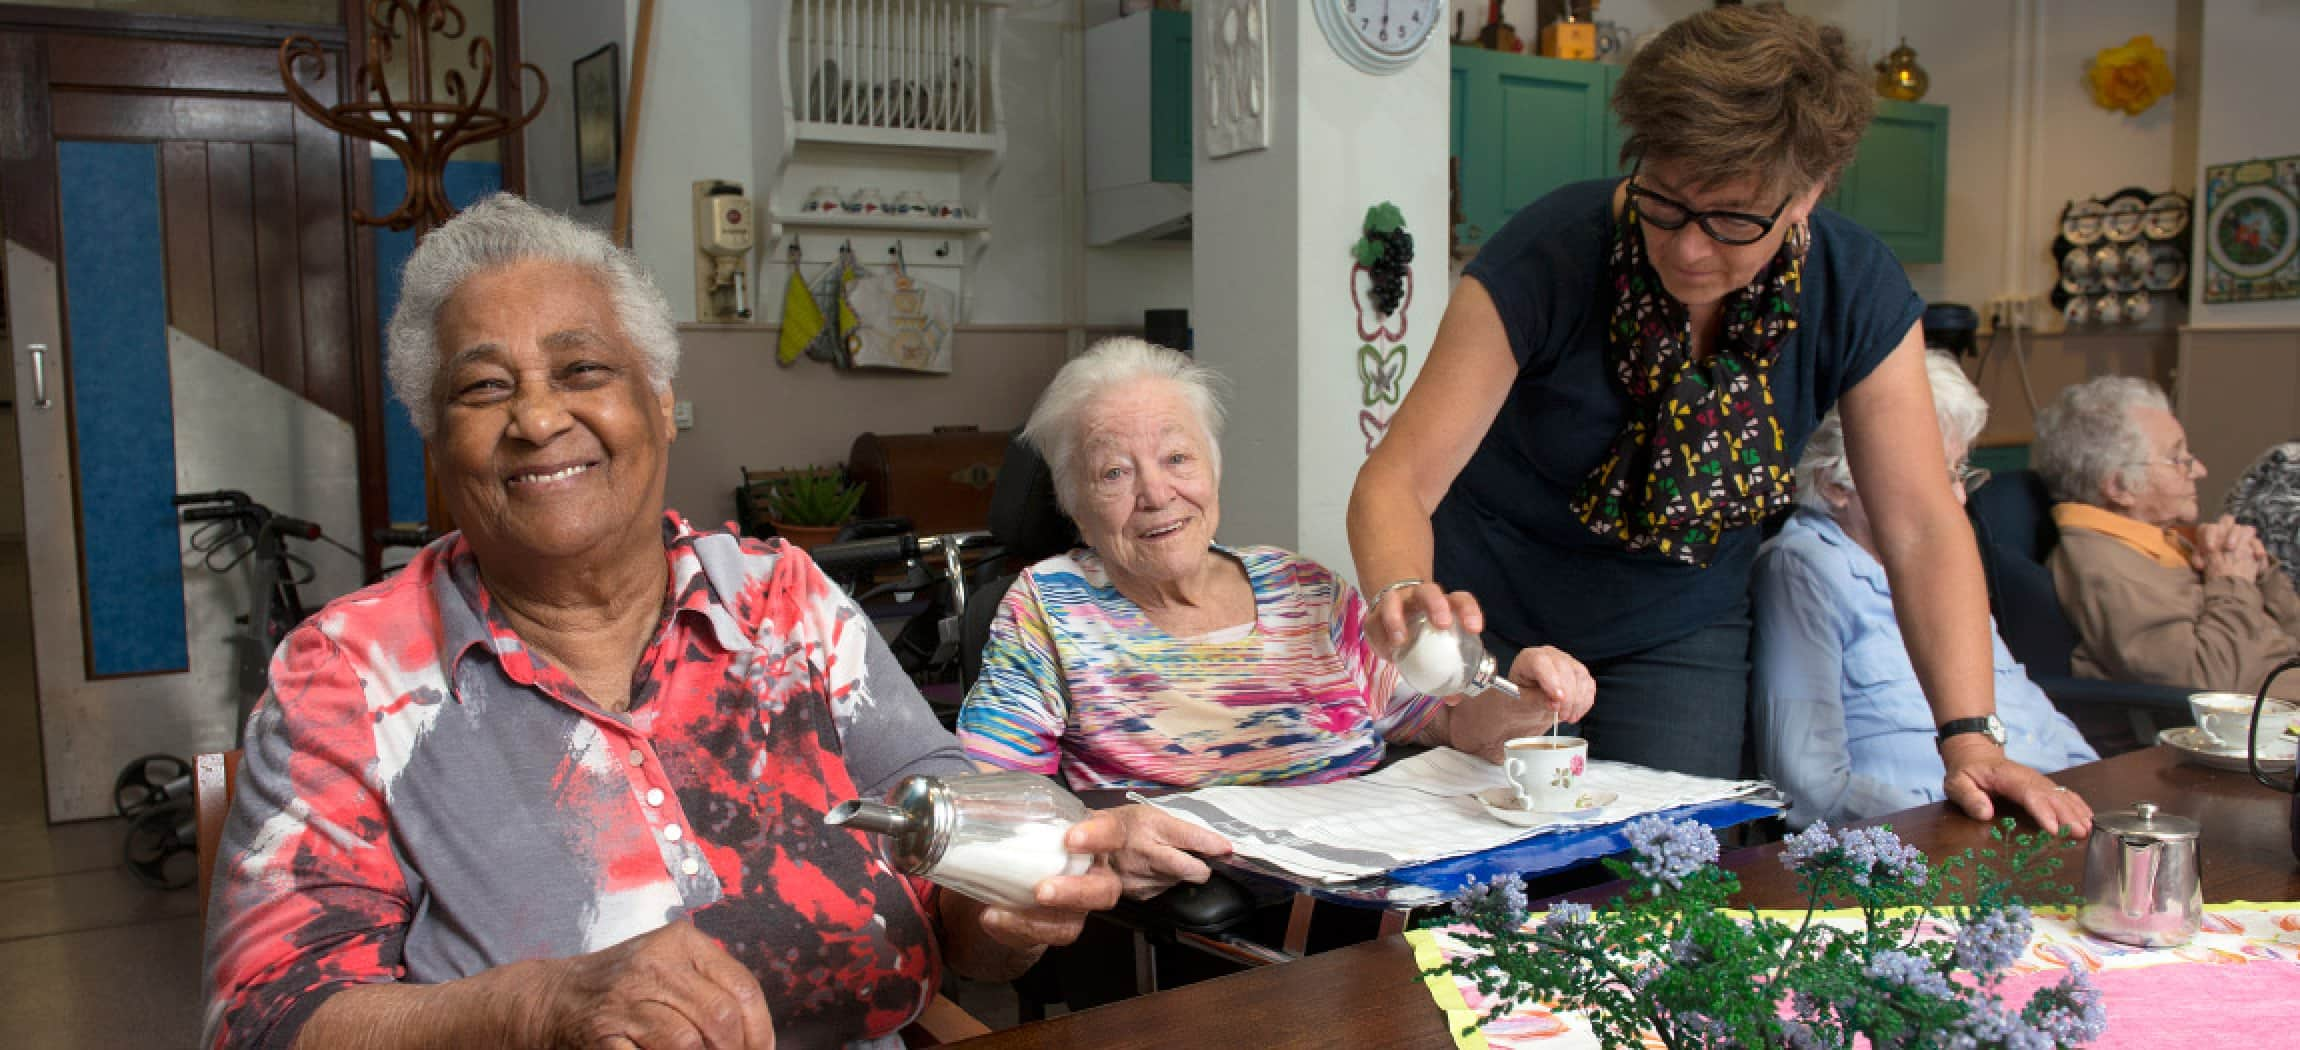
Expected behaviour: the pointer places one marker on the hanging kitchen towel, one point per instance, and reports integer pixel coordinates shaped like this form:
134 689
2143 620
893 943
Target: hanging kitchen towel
831 287
903 323
803 320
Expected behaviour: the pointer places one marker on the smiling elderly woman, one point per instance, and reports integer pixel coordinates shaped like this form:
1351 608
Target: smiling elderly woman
1156 657
2154 596
561 781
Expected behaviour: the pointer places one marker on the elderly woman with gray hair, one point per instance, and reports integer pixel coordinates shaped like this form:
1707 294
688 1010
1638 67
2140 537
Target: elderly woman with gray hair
1841 718
2154 596
562 780
1155 657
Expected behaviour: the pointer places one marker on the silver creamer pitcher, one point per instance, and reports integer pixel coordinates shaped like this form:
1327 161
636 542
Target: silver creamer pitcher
2140 878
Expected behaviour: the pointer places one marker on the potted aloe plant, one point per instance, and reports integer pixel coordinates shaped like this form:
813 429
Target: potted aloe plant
807 506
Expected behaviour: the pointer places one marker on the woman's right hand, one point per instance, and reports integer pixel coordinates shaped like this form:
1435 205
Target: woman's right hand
674 987
2226 548
1387 633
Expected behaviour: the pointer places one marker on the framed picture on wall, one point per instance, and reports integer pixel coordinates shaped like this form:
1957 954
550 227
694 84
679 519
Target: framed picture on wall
598 124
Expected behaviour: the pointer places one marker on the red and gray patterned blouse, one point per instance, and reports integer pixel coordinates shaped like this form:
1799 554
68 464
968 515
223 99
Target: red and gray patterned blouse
422 800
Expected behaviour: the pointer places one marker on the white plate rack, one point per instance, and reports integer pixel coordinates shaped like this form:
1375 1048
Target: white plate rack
893 95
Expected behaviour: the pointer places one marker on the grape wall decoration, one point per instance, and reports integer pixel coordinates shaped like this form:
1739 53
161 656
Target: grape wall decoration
1381 288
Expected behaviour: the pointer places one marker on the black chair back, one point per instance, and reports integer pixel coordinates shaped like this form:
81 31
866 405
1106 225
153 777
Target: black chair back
1026 522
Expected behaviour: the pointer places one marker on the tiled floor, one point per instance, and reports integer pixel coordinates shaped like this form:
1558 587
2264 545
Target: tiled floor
89 957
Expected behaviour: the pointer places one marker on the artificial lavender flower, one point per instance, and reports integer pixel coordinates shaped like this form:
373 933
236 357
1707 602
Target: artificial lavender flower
1504 897
1563 916
1915 973
1666 851
2070 1012
1990 943
1802 849
1990 1026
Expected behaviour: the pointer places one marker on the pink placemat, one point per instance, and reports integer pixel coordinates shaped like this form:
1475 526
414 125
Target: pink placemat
2232 988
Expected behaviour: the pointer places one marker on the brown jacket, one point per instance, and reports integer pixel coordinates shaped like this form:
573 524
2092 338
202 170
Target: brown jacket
2139 621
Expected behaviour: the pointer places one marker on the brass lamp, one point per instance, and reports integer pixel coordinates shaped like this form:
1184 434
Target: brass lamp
1900 77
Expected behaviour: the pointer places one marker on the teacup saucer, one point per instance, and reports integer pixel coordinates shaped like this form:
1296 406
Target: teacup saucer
1502 802
2193 745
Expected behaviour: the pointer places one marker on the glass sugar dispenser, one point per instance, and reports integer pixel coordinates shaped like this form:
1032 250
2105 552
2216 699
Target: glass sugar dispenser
1448 661
991 836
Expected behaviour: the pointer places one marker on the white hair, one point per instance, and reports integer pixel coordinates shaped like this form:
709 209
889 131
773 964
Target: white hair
500 231
1058 422
1957 405
2087 436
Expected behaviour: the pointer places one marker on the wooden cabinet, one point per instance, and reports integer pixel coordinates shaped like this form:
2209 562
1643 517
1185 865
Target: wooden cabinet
1523 126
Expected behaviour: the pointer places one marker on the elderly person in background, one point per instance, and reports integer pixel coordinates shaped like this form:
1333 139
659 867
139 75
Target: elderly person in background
562 780
1842 723
1156 657
2154 596
2267 498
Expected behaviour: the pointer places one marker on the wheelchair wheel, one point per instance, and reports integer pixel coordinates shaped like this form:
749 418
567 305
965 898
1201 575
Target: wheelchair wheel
150 781
162 847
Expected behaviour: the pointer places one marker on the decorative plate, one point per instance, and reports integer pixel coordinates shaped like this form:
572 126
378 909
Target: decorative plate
2108 309
2127 217
2167 267
2080 222
2167 217
2253 230
2077 312
2194 746
1503 804
2107 262
2137 307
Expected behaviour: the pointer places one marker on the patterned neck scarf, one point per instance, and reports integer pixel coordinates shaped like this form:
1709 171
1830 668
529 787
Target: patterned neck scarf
1702 451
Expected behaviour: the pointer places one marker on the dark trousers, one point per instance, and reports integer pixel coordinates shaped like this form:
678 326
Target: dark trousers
1681 705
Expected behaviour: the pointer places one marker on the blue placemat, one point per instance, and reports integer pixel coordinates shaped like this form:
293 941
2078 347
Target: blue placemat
1548 854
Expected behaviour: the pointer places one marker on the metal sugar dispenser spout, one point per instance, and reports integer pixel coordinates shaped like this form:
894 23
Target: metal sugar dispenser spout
1448 661
991 836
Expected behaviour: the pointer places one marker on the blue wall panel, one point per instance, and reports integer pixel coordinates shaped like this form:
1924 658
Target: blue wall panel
467 181
123 415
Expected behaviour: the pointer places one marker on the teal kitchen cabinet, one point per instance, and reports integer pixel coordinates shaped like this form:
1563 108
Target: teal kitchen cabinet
1523 126
1898 185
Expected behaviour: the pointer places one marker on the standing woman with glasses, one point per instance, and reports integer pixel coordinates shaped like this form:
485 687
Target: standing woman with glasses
1618 395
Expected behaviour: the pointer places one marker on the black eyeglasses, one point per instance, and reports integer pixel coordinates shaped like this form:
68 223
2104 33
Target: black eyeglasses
1724 227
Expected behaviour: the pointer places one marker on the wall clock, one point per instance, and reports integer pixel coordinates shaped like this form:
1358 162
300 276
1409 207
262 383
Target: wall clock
1379 36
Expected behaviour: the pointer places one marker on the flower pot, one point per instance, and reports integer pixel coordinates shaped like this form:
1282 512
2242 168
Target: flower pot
807 537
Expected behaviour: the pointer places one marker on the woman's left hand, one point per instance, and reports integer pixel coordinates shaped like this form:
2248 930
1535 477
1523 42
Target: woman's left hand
1547 674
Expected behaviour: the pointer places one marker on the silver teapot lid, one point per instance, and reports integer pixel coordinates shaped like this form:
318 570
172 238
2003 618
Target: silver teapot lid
2145 820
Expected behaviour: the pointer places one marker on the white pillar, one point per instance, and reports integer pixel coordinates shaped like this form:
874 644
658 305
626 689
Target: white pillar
1272 303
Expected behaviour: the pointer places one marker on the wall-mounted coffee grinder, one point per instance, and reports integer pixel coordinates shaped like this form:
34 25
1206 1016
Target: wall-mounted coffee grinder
723 221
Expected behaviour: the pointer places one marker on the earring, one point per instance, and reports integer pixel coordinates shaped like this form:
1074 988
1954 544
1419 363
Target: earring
1800 239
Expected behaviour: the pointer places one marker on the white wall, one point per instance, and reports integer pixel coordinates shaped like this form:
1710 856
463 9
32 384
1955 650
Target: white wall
553 39
2246 112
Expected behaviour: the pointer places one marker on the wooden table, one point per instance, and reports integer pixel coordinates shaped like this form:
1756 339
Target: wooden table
1371 995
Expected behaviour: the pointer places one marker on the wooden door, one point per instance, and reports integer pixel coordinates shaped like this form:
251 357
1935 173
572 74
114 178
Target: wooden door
178 247
1898 184
1523 126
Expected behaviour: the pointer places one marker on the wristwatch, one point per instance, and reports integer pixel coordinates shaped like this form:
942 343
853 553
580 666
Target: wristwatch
1990 727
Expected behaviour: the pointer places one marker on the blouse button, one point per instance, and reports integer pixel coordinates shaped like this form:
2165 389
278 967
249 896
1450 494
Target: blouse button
638 758
654 796
672 833
691 866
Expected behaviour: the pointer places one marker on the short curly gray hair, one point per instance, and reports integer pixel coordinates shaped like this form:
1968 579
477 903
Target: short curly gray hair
2087 436
1957 404
500 231
1056 424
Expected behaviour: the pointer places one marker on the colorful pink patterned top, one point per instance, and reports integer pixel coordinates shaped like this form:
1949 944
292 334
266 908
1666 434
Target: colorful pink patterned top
1076 677
422 800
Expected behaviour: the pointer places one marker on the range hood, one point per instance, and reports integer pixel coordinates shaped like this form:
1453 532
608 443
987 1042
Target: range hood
1138 142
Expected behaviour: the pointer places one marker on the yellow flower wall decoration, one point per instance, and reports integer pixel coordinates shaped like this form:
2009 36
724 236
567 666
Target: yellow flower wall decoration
2131 77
